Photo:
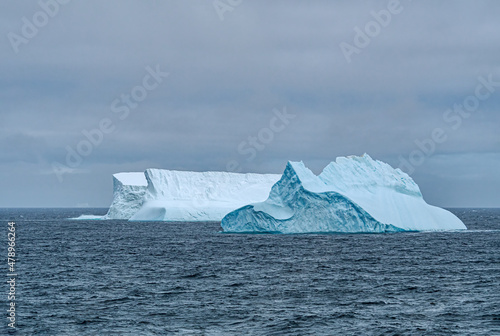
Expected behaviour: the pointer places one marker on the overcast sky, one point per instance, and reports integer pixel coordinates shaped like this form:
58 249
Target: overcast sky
342 82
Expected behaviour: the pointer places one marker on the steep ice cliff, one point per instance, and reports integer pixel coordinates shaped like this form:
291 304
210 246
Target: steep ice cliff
128 195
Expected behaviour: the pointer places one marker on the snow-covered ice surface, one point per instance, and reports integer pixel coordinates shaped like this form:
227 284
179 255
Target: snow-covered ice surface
353 194
199 196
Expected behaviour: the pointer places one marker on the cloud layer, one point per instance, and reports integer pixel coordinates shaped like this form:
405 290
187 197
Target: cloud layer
226 77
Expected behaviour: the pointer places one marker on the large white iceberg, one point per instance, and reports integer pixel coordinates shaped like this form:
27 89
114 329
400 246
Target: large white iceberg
169 195
353 194
199 196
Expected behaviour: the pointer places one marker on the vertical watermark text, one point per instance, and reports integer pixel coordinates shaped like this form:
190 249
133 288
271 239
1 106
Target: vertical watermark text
11 274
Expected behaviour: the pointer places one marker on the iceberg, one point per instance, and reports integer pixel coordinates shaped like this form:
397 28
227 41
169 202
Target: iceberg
352 195
199 196
169 195
128 194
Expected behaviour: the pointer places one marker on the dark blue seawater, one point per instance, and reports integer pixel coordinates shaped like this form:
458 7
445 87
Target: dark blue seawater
121 278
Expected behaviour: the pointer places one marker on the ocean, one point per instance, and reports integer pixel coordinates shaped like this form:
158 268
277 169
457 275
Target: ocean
156 278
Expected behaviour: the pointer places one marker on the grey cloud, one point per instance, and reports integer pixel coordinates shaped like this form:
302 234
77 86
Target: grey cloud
225 79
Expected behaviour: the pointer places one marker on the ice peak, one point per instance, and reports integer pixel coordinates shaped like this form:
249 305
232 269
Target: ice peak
300 170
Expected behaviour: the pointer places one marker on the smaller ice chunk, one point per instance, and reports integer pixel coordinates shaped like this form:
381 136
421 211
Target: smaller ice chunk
88 217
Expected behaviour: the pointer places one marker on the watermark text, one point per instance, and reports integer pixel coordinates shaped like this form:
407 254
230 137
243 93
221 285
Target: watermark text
11 274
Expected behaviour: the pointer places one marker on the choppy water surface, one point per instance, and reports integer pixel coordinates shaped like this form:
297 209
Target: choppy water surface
121 278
